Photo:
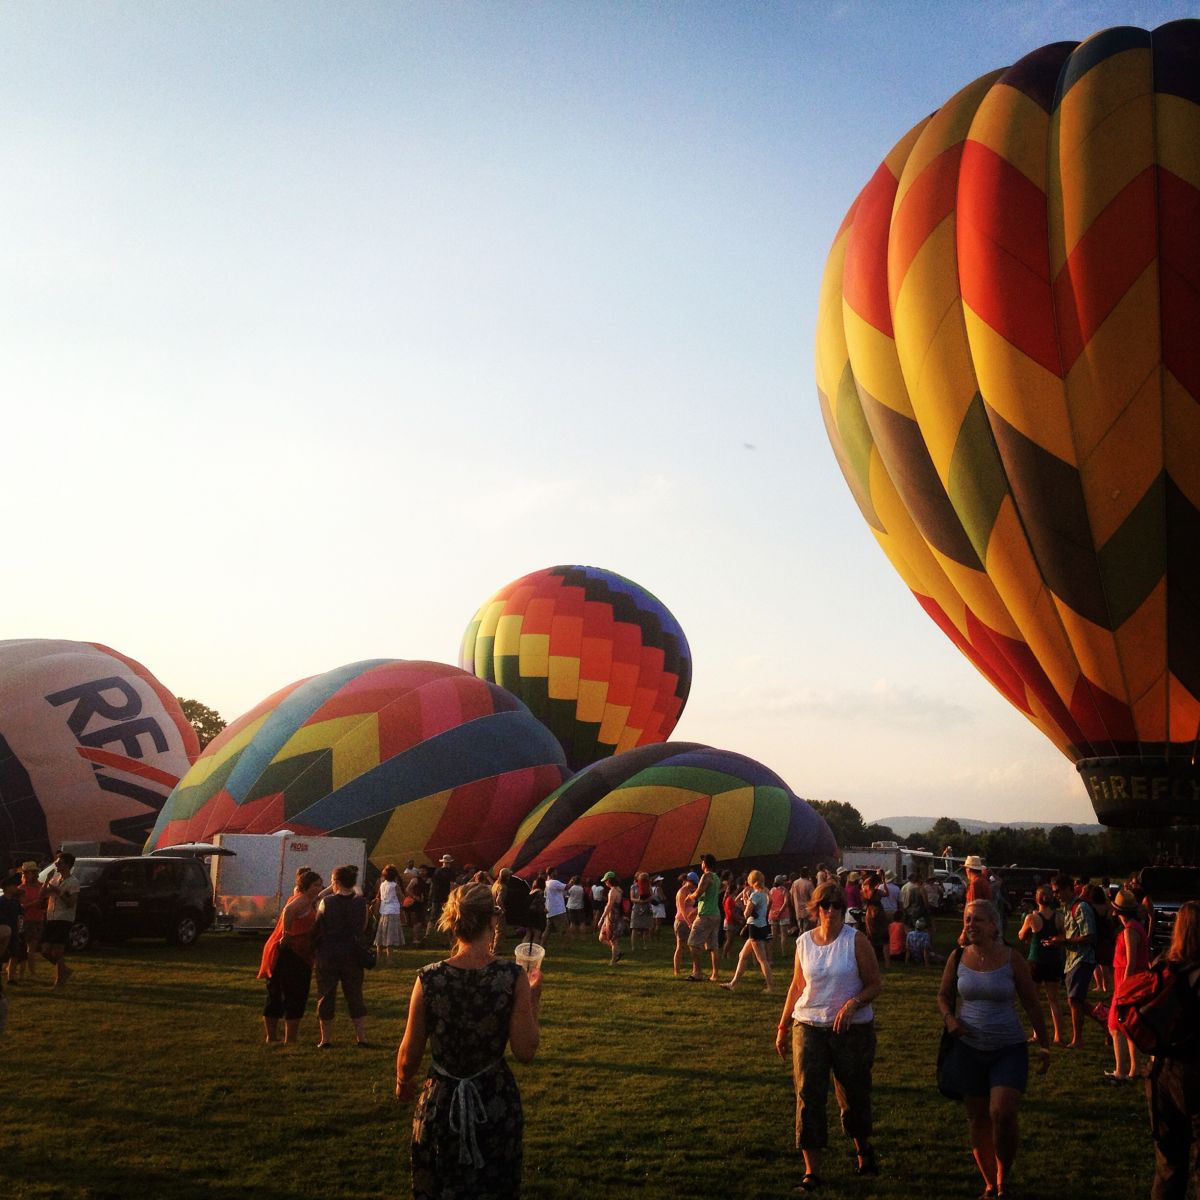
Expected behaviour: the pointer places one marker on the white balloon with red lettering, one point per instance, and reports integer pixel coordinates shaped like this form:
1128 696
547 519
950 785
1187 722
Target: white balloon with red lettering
91 745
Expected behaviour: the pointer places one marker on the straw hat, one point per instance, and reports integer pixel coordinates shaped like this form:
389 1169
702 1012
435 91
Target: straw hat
1126 903
973 863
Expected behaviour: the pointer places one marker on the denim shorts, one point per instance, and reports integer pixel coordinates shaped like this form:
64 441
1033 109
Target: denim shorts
972 1072
1079 979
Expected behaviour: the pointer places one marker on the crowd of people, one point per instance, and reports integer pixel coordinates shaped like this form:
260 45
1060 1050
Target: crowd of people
842 930
37 910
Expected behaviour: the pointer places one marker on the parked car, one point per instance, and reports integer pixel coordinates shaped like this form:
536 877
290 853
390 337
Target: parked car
1167 888
141 897
954 888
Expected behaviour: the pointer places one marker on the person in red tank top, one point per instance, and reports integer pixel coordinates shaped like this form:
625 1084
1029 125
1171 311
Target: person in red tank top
287 960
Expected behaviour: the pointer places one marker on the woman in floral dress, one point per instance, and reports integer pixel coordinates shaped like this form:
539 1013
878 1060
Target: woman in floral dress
467 1125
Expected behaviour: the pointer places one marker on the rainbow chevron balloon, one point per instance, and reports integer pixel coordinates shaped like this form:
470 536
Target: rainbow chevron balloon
418 758
658 808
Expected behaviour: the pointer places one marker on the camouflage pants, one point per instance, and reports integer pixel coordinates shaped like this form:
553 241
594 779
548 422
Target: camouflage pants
817 1051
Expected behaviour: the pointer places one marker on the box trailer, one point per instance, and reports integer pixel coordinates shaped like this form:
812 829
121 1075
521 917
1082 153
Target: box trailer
251 886
890 856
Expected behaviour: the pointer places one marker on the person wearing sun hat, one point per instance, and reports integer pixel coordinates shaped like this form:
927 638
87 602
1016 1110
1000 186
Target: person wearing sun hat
978 887
611 919
1130 956
33 919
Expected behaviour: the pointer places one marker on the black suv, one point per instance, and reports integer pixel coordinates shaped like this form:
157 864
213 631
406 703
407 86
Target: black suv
141 897
1168 888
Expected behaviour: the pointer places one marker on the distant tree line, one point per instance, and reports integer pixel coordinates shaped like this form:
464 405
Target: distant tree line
1111 852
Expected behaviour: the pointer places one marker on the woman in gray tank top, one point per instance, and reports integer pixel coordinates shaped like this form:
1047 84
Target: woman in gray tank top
989 1062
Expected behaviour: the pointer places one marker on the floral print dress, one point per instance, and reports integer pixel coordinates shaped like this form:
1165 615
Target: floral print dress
467 1126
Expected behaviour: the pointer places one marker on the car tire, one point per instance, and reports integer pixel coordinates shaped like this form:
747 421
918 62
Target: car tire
80 936
186 929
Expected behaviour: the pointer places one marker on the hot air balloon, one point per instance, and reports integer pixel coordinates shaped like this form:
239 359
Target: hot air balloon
1008 363
91 744
596 657
419 759
658 808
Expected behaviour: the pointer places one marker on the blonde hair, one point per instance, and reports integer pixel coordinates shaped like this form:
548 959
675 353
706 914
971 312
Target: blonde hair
468 912
756 878
1185 940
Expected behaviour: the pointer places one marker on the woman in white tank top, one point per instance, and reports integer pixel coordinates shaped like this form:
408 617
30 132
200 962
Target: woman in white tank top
828 1011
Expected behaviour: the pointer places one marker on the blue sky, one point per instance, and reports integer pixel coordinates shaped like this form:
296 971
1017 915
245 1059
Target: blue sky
322 322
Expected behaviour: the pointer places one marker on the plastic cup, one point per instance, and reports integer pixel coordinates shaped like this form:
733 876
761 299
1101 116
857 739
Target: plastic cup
529 956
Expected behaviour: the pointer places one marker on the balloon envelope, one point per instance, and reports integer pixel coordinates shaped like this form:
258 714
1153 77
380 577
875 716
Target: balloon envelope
595 656
91 745
1008 362
658 808
419 759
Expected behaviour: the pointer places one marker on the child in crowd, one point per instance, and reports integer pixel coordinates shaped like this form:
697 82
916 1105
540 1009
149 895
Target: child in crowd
918 944
896 937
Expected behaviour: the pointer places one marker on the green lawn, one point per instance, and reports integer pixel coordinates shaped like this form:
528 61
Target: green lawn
146 1077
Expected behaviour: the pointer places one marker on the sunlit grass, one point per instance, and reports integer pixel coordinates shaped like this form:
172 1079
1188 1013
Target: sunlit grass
147 1078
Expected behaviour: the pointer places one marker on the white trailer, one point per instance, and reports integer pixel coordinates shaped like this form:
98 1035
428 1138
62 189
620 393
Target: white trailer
890 856
251 886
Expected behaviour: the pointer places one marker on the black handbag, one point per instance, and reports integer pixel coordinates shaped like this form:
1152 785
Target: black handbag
365 956
946 1042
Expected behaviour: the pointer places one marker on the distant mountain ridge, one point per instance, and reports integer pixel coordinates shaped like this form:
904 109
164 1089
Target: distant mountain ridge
906 825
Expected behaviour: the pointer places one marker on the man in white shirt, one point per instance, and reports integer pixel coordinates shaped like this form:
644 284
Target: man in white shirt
556 904
62 888
891 895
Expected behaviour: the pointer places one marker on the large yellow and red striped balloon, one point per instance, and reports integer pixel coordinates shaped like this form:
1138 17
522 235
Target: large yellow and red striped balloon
1008 362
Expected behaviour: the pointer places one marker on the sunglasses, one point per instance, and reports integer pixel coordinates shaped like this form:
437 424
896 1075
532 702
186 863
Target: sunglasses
831 904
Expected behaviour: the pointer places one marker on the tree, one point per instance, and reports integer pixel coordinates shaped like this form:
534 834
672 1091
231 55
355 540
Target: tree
207 722
879 833
844 820
1060 841
947 832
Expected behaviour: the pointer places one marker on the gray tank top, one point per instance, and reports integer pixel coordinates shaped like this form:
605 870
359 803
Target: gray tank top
988 1013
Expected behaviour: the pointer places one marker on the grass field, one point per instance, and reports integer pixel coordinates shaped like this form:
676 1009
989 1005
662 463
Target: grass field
146 1077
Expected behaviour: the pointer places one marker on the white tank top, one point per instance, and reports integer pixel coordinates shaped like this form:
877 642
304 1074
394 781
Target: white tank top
830 979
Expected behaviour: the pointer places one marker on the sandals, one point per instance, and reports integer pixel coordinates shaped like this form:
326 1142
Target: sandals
865 1162
809 1184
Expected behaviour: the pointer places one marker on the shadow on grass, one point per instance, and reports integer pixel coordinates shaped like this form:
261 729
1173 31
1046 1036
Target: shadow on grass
96 1180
